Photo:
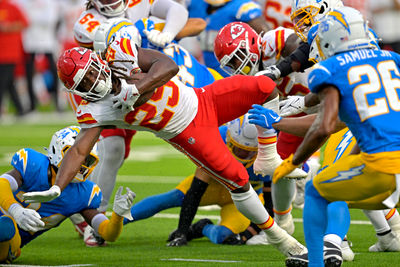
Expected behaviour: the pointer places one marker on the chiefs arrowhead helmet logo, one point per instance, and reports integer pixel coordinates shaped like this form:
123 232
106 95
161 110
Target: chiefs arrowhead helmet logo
236 31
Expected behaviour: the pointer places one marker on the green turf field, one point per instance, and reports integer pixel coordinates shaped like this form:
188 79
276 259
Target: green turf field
154 167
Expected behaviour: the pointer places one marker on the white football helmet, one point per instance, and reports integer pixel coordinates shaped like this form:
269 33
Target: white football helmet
110 8
306 12
61 141
342 29
115 28
242 139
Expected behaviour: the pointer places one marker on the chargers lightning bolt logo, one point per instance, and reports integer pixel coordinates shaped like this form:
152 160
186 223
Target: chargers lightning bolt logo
23 156
346 175
336 15
343 145
95 191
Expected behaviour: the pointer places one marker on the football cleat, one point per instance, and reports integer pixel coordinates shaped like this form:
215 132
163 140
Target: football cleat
285 243
285 222
92 239
178 240
300 260
389 242
259 239
332 255
347 252
196 229
80 228
233 239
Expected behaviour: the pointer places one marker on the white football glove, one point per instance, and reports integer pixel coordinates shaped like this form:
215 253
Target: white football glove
27 219
42 196
157 38
292 105
127 97
123 203
271 71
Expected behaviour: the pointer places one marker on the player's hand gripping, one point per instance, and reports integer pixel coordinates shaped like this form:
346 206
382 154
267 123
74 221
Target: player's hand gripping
42 196
157 38
27 219
283 169
127 97
292 105
271 71
123 203
263 117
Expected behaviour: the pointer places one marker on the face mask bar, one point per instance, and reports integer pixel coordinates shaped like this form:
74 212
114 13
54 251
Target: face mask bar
248 61
303 19
87 166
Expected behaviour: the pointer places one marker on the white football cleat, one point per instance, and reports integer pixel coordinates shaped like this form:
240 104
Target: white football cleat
92 239
80 228
259 239
285 222
389 242
347 252
285 243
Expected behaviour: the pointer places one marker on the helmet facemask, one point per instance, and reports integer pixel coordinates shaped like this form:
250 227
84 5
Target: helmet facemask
94 81
303 19
61 141
110 8
244 154
241 61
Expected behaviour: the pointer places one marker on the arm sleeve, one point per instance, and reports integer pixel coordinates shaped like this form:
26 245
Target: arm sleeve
175 15
300 55
6 195
109 229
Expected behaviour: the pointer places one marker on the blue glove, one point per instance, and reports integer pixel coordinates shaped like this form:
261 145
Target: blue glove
263 117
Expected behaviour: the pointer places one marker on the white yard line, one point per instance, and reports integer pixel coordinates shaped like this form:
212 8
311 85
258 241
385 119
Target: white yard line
199 260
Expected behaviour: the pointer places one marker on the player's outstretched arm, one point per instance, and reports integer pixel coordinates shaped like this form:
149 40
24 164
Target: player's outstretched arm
69 167
110 229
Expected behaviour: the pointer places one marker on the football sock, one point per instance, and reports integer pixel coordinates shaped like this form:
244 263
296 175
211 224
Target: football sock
378 220
393 218
7 228
268 203
314 223
338 219
250 206
149 206
282 195
111 156
216 233
190 204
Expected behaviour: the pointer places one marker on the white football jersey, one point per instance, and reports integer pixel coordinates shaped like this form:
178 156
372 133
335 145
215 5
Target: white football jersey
138 9
86 25
273 43
168 112
277 13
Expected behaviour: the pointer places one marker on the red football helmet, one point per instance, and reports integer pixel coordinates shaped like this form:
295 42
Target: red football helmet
238 49
73 70
110 8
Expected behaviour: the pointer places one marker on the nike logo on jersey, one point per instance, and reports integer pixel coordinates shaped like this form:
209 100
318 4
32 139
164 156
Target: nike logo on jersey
126 96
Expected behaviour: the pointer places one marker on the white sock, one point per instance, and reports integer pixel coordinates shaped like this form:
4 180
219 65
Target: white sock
378 220
393 218
282 195
111 156
335 239
76 218
250 206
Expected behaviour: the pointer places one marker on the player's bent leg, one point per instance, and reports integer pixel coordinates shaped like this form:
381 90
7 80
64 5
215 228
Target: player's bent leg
249 204
152 205
10 240
111 156
314 224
